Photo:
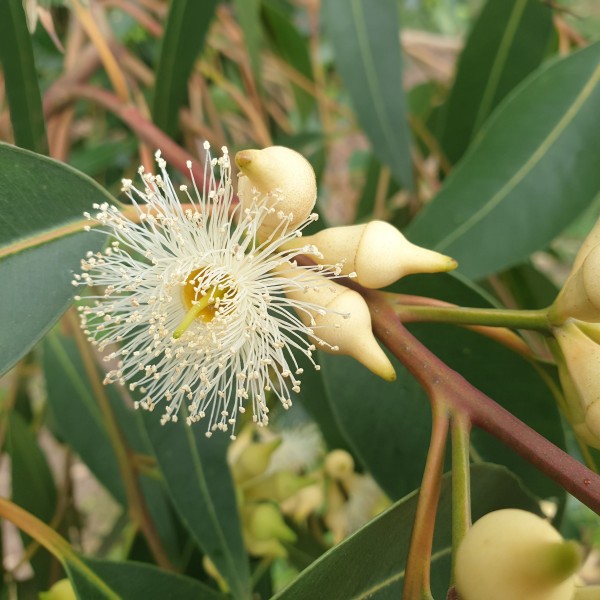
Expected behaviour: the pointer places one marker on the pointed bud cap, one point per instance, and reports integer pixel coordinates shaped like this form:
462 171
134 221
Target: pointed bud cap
264 521
345 326
377 252
254 460
515 554
580 296
282 179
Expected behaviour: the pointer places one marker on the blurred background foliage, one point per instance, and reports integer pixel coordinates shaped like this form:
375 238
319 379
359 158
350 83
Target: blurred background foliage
427 113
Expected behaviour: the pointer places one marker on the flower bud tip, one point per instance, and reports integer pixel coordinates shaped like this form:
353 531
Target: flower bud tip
243 158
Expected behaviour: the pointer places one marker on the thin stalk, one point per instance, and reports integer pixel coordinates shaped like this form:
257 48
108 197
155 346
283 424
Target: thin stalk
461 481
418 565
490 317
483 412
136 502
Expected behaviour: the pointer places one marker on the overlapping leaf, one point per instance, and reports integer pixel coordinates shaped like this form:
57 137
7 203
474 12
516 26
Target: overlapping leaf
531 170
41 208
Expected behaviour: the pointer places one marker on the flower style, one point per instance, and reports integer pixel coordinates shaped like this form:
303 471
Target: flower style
194 307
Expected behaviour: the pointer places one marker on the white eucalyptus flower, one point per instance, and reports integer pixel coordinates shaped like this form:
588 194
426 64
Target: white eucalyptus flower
191 307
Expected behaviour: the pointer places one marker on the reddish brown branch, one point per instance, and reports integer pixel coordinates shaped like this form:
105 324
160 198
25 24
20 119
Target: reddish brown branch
438 378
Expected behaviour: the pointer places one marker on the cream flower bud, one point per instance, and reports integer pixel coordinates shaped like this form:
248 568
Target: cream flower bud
263 529
281 178
515 554
264 521
304 502
377 252
591 241
254 460
344 326
582 358
580 296
339 464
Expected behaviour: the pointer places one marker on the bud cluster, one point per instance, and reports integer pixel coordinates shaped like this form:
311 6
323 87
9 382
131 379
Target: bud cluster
375 254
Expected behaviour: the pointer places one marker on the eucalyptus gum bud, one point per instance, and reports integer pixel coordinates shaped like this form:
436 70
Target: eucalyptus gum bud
377 252
591 241
282 179
582 358
264 521
344 324
339 464
574 408
513 554
304 502
254 460
580 296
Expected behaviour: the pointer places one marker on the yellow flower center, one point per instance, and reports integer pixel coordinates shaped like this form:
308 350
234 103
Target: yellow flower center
201 303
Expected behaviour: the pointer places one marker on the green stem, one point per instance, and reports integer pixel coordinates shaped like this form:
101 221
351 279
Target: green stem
459 394
461 481
418 564
536 320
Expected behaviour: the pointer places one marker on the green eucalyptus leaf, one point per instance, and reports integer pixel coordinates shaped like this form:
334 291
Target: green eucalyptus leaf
107 580
370 563
531 170
41 206
248 16
199 483
508 41
292 46
366 41
185 32
396 414
20 76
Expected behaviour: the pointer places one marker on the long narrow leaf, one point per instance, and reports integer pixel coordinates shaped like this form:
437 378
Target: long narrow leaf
16 56
365 37
184 36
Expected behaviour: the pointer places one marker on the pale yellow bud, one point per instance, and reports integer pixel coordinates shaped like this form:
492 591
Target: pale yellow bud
264 522
591 241
280 178
278 486
254 460
582 358
267 548
339 464
61 590
580 296
345 326
574 408
304 502
377 252
515 554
